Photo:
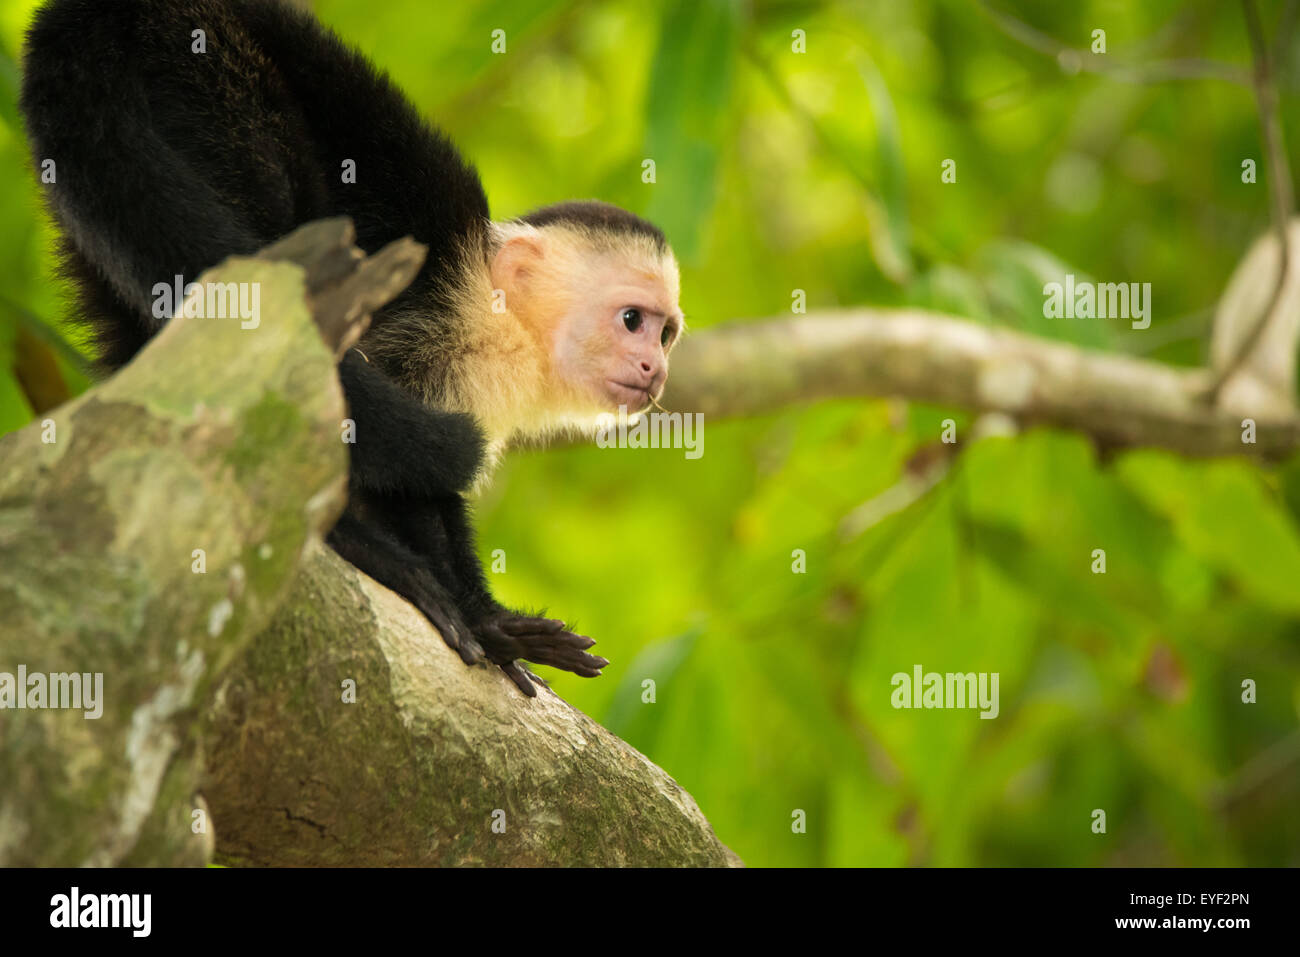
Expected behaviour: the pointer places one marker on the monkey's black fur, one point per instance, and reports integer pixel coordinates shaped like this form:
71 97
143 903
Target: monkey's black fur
601 216
168 161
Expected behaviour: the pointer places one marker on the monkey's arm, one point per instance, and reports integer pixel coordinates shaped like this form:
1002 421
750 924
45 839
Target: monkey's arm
408 527
507 634
402 447
437 528
383 556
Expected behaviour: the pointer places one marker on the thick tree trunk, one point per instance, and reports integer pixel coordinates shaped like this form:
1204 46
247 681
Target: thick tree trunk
432 763
148 530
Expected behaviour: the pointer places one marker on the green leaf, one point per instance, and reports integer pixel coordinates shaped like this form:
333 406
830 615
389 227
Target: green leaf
1289 477
520 21
688 105
948 288
14 409
1222 514
628 716
895 260
1015 273
9 92
47 333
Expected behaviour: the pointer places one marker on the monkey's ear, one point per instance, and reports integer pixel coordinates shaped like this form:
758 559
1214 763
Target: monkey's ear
517 261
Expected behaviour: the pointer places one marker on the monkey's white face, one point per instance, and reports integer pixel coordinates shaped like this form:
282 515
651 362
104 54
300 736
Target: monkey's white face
610 317
622 322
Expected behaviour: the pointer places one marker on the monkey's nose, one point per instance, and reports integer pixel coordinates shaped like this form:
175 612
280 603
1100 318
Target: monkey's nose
653 374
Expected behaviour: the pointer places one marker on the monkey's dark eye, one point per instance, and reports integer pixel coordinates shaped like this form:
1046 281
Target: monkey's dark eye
667 336
632 319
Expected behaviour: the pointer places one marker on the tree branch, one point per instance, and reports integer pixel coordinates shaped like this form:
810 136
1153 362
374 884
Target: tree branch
1074 59
754 367
435 763
1238 346
147 531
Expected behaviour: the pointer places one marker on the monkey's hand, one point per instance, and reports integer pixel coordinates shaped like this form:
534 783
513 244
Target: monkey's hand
387 561
507 636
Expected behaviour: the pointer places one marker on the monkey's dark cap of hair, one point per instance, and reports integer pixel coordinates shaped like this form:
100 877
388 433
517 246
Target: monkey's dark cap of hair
595 215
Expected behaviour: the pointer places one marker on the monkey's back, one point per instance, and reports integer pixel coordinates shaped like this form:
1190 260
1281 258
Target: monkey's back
167 159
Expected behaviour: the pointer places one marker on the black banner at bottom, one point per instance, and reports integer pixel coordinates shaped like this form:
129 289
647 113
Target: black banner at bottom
219 905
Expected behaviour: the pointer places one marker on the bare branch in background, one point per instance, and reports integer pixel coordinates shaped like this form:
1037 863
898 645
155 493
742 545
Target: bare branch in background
754 367
1281 203
1076 60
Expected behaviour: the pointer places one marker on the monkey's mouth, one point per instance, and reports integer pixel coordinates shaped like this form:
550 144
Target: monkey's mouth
635 397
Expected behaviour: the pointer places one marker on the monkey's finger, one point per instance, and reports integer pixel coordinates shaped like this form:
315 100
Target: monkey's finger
520 678
587 669
457 637
568 658
500 647
523 625
558 639
545 641
571 658
464 643
471 652
582 672
574 648
564 641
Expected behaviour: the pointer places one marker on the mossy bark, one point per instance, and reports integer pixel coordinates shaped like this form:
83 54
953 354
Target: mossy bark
433 763
218 438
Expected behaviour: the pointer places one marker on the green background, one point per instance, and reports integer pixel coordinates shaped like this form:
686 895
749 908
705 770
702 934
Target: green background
820 171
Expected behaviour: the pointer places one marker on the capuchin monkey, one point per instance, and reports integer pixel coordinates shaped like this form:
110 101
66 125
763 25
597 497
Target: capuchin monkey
171 156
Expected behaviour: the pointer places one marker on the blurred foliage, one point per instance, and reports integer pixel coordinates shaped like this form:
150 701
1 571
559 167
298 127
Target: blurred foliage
820 171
